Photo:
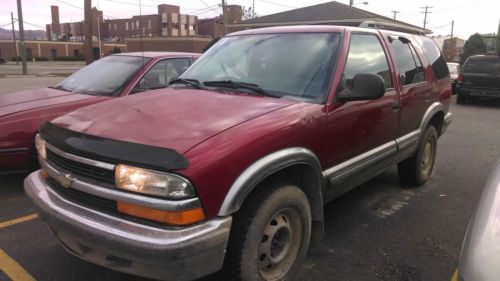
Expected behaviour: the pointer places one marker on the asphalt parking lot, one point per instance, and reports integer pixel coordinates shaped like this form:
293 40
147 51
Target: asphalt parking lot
380 231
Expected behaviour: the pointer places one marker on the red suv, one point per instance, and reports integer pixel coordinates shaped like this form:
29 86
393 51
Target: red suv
232 164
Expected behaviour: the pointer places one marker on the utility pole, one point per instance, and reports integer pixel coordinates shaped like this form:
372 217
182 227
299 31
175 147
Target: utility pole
426 12
21 35
395 12
253 9
452 26
14 36
498 39
87 45
224 21
351 2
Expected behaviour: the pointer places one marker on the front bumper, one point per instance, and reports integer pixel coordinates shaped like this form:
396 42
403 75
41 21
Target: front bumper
179 254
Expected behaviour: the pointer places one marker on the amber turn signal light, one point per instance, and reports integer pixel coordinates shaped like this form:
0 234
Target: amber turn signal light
171 217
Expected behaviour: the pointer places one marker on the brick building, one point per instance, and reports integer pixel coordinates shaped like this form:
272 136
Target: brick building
167 22
452 49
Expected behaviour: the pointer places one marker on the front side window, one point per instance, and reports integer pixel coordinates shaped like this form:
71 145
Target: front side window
409 65
366 55
161 74
288 64
104 77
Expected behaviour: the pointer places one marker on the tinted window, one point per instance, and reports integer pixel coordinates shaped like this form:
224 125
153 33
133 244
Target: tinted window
434 56
293 64
483 65
105 76
409 65
161 74
366 55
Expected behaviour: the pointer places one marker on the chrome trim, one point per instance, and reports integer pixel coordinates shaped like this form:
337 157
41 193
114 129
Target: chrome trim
13 150
408 140
263 167
88 186
179 254
447 121
359 162
429 113
79 159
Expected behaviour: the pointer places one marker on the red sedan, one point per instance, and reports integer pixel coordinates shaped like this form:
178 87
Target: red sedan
118 75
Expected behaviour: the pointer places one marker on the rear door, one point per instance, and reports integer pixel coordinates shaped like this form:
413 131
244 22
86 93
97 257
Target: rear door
416 91
482 73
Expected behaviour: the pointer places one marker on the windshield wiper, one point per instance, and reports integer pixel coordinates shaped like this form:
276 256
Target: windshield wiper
240 85
191 82
60 88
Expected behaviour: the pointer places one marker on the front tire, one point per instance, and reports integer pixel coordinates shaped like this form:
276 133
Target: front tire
417 169
270 236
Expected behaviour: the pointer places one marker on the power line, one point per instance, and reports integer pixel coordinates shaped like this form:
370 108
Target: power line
277 4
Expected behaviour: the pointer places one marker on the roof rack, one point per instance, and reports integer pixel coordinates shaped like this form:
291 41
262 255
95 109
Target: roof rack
393 27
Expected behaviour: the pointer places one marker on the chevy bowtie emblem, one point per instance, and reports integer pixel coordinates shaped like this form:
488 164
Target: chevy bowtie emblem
64 179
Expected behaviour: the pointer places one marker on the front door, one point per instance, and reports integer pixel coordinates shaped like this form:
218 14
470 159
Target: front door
362 133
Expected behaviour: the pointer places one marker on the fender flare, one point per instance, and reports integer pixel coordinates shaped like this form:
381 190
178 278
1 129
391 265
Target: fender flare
266 166
429 113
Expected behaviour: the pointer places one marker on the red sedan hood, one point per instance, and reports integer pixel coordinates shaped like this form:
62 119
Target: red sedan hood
172 118
26 100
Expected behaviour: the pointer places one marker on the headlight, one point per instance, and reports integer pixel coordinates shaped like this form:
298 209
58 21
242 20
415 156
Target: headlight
152 182
40 146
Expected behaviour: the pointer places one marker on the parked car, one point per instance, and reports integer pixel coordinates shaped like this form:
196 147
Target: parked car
21 113
480 78
233 163
454 69
2 60
480 253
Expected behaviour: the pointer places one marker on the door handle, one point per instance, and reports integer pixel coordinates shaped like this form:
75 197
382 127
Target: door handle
396 105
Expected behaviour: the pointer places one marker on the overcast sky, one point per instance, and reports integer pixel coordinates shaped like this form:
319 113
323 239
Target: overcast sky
470 15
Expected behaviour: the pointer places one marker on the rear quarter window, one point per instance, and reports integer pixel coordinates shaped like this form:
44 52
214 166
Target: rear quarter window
434 57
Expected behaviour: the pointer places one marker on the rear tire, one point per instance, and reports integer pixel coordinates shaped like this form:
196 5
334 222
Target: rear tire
417 169
270 236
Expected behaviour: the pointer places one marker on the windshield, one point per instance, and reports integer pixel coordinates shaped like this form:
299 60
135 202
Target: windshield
292 64
104 77
453 68
486 65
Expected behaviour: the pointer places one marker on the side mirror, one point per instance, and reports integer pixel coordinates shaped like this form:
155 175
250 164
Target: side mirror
364 86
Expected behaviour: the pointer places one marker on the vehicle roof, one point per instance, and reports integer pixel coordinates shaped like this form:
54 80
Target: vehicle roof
484 56
150 54
315 28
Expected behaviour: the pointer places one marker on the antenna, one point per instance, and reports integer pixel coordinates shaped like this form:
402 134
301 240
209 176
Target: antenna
140 34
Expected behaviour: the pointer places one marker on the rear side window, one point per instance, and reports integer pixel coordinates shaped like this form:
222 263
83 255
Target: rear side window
366 55
483 65
434 56
409 65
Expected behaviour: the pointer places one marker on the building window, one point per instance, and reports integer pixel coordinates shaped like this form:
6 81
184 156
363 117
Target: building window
149 24
126 26
133 27
109 27
116 28
137 24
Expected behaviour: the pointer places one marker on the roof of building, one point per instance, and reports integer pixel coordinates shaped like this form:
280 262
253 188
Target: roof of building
330 11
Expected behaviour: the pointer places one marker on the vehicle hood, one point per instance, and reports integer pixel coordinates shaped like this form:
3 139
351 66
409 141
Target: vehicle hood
175 118
481 248
31 99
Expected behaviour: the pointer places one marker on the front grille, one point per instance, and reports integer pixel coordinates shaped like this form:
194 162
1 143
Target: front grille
99 204
78 168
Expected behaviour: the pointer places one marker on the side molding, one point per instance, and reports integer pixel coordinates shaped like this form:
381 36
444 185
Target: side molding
265 167
433 109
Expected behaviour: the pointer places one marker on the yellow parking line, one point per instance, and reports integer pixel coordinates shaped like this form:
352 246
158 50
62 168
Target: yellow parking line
12 269
18 220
